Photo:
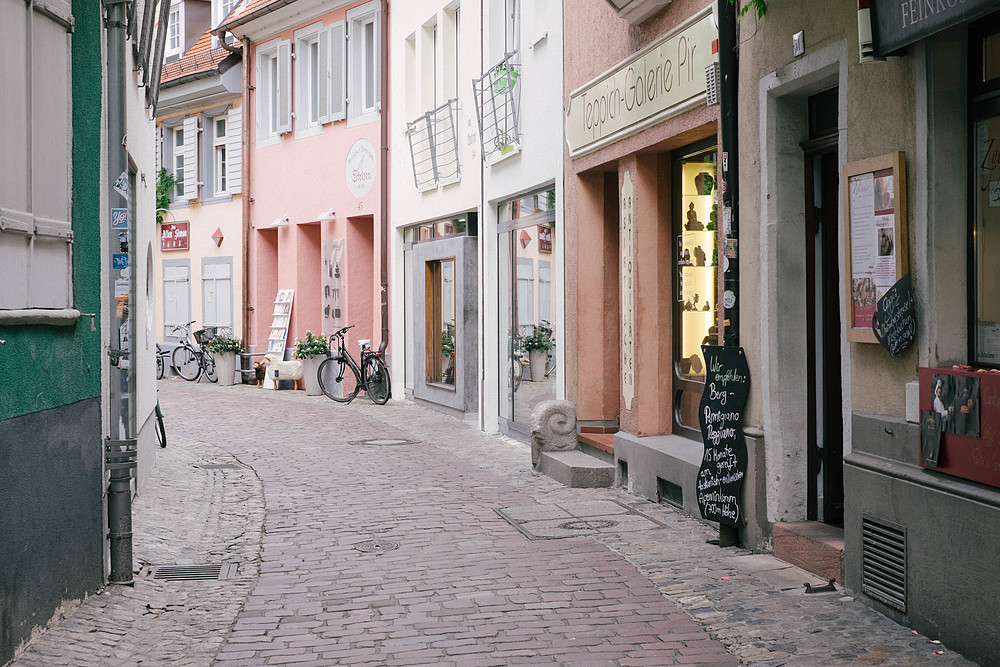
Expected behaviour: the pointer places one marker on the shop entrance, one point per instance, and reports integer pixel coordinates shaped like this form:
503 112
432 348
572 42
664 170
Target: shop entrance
824 414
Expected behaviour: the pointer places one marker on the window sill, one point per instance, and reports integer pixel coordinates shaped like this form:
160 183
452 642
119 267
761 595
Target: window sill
59 317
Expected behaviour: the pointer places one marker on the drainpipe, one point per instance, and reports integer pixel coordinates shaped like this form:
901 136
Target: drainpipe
384 175
120 447
729 71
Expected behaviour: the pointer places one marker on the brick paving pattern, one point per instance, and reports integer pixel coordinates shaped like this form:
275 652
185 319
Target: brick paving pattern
462 585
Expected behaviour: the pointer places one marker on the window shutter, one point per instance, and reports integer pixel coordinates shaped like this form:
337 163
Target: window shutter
190 158
284 87
234 151
338 71
378 61
323 40
159 149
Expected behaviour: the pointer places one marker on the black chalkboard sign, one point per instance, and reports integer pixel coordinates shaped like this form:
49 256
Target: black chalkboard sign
895 320
724 465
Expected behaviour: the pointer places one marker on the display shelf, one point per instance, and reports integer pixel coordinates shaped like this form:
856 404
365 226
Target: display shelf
279 324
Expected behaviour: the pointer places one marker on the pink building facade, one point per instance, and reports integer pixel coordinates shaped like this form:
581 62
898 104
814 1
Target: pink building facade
313 103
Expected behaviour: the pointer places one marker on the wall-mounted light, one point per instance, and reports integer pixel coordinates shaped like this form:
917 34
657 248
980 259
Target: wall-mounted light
327 216
280 222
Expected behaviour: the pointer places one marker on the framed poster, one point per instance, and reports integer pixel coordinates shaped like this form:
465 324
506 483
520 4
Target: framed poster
875 236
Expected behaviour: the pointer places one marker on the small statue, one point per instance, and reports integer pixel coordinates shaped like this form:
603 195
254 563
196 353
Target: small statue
693 224
699 256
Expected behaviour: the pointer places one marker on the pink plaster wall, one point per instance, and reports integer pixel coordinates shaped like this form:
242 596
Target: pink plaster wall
302 178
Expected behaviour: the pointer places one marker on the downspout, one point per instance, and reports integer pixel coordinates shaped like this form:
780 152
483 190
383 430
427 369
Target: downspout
243 49
384 175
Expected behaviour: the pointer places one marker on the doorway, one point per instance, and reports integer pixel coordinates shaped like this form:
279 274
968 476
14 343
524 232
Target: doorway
824 414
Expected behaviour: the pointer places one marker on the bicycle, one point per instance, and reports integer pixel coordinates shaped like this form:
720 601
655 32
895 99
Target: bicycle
161 434
341 377
161 361
192 360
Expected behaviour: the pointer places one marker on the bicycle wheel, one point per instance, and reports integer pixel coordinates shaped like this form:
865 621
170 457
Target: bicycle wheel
517 372
377 380
338 380
550 363
161 434
208 366
186 363
159 365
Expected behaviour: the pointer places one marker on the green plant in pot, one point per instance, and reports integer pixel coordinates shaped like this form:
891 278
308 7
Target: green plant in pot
311 346
504 78
223 343
537 344
225 348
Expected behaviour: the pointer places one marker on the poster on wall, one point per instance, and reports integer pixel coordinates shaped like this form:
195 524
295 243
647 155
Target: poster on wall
875 203
334 301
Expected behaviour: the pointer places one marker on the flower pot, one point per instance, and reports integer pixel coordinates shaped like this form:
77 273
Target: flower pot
225 368
536 360
310 369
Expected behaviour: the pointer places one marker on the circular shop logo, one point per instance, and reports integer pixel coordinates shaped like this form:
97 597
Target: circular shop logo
360 170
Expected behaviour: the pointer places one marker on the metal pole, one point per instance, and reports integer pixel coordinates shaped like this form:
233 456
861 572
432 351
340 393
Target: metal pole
120 446
384 175
729 71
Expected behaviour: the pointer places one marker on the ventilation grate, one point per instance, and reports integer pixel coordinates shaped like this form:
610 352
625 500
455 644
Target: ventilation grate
883 562
668 492
193 572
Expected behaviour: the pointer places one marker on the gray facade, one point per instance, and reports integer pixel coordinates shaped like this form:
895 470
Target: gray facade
51 516
464 397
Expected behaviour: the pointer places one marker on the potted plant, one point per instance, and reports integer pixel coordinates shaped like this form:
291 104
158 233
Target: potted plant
225 348
537 345
448 352
312 350
504 78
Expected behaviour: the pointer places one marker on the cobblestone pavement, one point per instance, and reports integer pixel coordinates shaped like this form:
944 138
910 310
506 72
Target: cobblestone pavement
397 555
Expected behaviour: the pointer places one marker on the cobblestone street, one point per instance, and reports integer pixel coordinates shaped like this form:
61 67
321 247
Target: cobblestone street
359 553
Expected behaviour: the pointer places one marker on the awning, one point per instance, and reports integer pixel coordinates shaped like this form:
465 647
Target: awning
899 23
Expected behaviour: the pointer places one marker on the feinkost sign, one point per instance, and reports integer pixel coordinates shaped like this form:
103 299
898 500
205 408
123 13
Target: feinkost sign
664 79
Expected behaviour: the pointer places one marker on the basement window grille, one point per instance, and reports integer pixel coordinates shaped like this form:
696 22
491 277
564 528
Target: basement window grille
498 95
193 572
883 562
433 141
670 493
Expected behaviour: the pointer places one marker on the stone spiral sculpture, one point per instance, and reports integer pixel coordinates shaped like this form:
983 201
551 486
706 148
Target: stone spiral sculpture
553 428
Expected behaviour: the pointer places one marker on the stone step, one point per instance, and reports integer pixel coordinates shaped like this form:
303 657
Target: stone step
813 546
576 469
598 445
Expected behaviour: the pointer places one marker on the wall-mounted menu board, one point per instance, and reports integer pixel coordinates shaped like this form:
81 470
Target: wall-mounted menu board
875 233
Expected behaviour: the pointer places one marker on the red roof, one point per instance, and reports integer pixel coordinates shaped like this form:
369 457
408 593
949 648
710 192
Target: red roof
200 58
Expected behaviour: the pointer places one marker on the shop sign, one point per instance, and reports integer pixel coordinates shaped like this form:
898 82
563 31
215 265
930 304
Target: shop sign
174 236
544 238
664 79
360 171
898 23
628 290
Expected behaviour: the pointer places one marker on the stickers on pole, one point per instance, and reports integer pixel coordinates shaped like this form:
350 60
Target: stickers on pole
119 261
121 185
122 289
119 218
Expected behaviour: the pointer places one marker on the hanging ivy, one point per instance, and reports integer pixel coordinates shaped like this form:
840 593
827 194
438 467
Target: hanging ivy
165 182
759 5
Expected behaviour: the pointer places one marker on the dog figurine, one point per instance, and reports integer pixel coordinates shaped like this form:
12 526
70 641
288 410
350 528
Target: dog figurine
260 371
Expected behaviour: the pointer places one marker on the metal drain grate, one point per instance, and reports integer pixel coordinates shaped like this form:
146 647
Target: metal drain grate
385 442
376 547
218 466
193 572
883 562
588 524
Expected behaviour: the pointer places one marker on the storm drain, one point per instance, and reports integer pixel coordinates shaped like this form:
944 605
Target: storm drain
588 524
883 562
218 466
193 572
385 442
376 547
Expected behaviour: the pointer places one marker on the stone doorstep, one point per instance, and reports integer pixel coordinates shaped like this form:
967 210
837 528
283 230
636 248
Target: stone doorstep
813 546
576 469
598 445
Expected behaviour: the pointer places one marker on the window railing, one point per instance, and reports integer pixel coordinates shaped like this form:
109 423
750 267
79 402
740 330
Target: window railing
497 103
433 141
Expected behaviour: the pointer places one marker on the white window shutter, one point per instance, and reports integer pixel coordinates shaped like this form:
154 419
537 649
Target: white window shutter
234 151
159 150
284 87
338 71
323 40
190 158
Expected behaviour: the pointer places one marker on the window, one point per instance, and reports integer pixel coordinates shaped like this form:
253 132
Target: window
179 163
312 79
364 38
274 91
175 40
440 321
457 52
36 237
219 148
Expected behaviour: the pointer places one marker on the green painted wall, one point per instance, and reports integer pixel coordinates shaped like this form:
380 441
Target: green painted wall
46 366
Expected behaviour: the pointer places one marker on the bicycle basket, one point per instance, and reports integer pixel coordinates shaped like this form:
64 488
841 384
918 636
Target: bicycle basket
202 336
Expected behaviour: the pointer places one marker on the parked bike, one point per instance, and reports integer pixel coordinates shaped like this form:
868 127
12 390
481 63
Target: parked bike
341 377
191 360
